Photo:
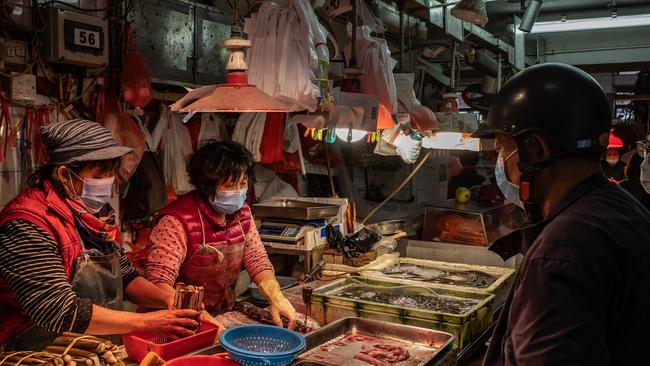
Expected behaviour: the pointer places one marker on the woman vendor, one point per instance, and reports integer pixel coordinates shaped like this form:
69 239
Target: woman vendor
61 268
207 236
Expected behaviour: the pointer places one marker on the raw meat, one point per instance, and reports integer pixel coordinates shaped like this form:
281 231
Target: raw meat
365 358
259 315
388 353
383 355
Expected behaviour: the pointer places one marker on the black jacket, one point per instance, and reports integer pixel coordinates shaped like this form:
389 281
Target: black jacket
581 295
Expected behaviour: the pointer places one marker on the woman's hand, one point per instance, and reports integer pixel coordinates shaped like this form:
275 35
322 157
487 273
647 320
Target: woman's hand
280 306
173 324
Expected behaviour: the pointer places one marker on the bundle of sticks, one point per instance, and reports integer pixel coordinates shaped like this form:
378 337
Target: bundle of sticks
188 297
69 349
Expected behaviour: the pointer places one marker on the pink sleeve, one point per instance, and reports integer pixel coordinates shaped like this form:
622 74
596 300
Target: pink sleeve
255 258
167 251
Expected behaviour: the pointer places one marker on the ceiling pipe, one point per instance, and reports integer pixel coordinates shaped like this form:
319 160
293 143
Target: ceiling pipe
530 15
501 8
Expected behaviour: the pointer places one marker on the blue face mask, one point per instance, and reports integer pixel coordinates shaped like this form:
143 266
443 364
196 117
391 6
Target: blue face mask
229 201
510 190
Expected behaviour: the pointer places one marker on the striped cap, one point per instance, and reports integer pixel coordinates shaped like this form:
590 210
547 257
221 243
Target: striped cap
78 140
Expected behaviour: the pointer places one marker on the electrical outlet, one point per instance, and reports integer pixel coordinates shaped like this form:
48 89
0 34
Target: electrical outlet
15 52
23 87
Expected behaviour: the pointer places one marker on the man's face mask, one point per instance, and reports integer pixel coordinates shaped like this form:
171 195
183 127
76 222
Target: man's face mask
96 192
510 190
645 173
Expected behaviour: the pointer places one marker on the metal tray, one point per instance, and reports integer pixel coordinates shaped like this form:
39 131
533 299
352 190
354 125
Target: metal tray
295 210
424 345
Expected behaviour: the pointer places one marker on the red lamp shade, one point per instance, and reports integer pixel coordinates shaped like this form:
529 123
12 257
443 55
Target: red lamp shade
423 118
235 96
614 141
384 118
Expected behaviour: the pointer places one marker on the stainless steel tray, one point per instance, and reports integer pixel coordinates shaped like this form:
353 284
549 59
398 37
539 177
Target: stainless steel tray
324 345
295 210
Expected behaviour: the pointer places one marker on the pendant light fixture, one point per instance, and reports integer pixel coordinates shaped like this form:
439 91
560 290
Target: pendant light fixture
472 11
236 95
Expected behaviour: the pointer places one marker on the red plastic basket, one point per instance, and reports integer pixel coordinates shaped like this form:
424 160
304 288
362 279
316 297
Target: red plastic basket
138 345
202 361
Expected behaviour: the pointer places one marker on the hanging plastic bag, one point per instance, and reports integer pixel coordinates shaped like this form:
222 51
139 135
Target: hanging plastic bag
147 191
126 133
136 85
249 131
7 136
10 174
176 147
212 128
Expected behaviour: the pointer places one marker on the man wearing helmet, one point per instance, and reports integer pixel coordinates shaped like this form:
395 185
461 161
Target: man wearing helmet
613 167
581 293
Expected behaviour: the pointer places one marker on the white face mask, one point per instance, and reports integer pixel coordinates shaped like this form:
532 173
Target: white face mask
645 173
612 161
510 190
229 201
95 193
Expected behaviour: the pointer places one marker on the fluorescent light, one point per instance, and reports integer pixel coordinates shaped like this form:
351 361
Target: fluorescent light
451 141
343 134
592 23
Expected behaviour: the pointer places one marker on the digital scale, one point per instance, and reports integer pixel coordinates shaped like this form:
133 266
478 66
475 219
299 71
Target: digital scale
294 224
287 231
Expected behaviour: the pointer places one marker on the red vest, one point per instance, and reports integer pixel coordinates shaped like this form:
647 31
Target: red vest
45 209
186 210
201 225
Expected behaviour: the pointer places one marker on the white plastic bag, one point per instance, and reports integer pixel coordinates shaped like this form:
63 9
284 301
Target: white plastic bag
212 128
289 39
377 65
249 131
176 147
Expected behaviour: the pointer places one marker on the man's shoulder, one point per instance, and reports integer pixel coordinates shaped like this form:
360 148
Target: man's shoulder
605 220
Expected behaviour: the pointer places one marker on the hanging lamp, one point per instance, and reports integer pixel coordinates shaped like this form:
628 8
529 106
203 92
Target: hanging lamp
472 11
236 95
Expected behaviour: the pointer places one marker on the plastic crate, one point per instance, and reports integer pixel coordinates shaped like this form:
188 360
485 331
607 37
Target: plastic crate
327 307
137 345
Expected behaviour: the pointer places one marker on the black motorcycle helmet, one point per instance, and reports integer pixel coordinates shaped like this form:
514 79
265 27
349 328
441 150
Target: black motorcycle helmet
559 102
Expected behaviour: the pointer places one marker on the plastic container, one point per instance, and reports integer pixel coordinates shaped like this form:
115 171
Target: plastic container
327 307
504 277
137 345
262 345
201 360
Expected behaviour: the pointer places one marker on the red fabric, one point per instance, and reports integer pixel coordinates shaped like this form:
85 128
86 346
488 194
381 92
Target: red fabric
101 227
41 119
186 209
136 85
290 163
45 209
273 140
194 127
